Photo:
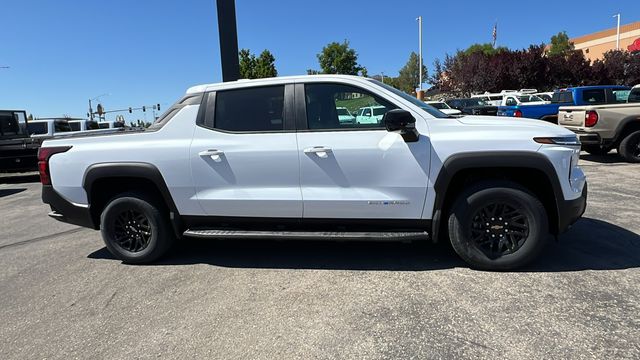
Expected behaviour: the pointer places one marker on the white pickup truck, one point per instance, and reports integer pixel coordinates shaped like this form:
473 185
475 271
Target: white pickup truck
269 158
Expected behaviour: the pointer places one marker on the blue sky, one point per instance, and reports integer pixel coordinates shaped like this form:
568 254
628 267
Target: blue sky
63 52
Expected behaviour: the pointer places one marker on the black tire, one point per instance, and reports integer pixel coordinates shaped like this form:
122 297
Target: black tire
629 147
517 240
135 230
596 149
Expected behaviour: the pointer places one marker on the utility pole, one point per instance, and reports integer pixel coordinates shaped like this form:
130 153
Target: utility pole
382 72
618 32
420 50
228 32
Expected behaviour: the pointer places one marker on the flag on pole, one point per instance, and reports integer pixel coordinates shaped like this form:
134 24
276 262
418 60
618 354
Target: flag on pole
495 33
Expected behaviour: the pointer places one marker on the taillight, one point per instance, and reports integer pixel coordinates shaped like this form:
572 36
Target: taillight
517 113
590 118
44 154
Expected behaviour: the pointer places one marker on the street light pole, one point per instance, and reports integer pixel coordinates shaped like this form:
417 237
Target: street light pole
618 32
420 50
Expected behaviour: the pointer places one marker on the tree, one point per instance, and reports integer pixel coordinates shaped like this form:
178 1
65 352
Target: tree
265 65
257 68
409 76
560 44
247 64
485 48
336 58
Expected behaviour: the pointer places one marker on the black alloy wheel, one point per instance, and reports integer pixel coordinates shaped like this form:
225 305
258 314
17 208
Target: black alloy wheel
499 229
136 228
497 225
132 231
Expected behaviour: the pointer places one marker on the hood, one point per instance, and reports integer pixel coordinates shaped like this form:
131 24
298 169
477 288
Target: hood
506 123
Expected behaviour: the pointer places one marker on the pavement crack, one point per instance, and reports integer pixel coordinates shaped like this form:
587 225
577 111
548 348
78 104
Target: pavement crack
110 298
41 238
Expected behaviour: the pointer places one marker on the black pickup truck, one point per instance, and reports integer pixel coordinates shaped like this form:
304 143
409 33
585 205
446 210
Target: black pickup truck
18 151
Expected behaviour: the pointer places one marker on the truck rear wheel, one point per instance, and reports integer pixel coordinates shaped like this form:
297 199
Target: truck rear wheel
498 226
629 147
134 229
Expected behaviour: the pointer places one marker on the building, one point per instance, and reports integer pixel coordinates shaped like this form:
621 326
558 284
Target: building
595 45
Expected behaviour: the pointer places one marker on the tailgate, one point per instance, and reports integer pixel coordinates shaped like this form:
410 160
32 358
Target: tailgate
571 116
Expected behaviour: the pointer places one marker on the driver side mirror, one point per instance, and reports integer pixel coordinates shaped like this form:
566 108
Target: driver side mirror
402 122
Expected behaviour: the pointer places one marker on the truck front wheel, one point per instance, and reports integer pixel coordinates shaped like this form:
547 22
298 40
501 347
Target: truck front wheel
498 226
134 229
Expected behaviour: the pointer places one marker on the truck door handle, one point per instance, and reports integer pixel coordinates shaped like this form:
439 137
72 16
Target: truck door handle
321 151
213 153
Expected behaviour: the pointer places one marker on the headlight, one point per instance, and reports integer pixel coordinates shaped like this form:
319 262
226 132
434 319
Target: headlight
571 140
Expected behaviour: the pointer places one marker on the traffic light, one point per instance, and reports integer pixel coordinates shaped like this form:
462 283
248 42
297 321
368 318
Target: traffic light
158 107
130 110
144 109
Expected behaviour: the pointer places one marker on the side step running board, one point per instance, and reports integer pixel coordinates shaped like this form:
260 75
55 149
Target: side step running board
307 235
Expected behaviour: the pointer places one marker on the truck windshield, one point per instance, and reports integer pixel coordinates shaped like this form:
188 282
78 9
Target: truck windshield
426 108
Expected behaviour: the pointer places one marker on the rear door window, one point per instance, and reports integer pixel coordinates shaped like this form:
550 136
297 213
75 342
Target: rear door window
251 109
562 97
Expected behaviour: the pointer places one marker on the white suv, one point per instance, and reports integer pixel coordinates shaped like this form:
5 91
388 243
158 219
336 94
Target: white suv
270 158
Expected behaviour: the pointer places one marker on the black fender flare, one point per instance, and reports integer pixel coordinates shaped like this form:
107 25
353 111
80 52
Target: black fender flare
140 170
491 159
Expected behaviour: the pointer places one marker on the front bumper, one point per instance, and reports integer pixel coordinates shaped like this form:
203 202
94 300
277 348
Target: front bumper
569 211
65 211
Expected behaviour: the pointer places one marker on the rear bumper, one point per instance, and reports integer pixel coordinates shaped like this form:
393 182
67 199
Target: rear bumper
65 211
569 211
590 138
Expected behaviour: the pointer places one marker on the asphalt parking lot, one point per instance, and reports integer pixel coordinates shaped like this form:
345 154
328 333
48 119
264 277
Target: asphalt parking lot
64 296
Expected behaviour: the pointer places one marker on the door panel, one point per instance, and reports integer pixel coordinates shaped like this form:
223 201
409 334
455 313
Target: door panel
357 171
243 161
256 175
363 174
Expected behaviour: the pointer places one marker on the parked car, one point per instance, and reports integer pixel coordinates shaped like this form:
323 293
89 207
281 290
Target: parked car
585 95
18 151
605 127
442 106
522 99
344 116
473 106
211 167
370 115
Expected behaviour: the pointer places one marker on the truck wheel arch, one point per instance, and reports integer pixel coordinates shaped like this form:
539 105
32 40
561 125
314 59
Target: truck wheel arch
626 127
134 171
460 168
